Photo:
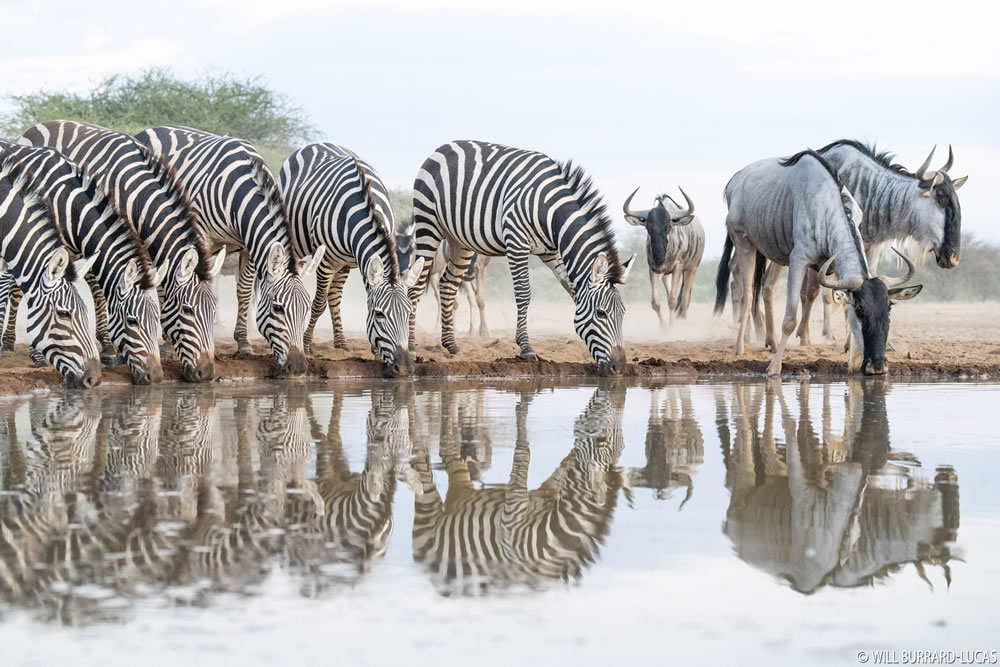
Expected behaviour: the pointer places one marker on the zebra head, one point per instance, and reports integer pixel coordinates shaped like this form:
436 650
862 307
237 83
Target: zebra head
599 314
134 324
189 307
58 323
389 308
283 307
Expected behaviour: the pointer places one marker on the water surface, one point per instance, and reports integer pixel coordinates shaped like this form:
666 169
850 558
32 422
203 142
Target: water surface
400 521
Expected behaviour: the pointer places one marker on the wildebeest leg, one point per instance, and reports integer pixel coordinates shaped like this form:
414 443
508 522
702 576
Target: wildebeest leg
244 295
771 278
674 293
686 286
480 289
518 260
334 296
324 272
796 274
655 298
810 290
744 256
470 297
827 295
458 263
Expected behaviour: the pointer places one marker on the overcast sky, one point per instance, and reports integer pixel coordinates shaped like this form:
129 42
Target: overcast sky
655 95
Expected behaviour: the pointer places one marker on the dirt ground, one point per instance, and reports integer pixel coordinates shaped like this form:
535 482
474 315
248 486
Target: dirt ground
929 340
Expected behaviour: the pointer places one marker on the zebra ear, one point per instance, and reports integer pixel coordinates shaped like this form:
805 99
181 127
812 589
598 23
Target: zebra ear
375 273
220 257
277 261
627 267
57 265
82 266
187 265
413 274
309 264
599 269
129 278
160 274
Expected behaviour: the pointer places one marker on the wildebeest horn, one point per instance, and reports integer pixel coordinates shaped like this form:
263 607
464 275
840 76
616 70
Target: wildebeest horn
841 284
910 270
634 217
951 161
927 163
690 207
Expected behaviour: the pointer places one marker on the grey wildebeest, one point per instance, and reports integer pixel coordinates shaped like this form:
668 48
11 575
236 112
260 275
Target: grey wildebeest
919 207
473 282
675 242
796 213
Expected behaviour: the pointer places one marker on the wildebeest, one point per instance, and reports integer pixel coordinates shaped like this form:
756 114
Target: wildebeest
675 242
921 208
795 212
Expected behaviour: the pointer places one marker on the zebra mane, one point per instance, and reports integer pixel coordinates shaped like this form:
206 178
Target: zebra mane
264 179
593 207
166 175
382 230
21 178
882 159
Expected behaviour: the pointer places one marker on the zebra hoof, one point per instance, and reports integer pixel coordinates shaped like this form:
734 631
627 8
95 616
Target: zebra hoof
40 363
243 351
529 355
452 349
340 344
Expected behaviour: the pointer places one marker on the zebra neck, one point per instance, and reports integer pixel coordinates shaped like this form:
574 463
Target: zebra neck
885 197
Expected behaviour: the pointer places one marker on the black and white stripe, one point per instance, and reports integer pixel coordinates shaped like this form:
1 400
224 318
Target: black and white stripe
32 251
144 191
337 201
494 200
122 282
240 208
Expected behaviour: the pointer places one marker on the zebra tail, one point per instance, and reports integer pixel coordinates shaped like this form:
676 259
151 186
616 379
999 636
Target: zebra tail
722 278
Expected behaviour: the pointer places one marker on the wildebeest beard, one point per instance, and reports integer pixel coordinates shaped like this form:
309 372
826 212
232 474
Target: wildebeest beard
404 251
657 229
871 306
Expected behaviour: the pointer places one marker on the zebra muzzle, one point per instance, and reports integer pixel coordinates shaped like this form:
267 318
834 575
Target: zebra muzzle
203 371
296 364
401 364
613 366
91 376
152 374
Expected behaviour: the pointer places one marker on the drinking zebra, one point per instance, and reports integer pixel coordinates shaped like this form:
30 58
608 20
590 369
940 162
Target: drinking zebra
494 200
480 538
31 249
337 201
122 281
143 190
240 208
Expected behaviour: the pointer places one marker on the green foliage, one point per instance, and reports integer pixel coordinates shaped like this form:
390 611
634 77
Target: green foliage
401 201
223 104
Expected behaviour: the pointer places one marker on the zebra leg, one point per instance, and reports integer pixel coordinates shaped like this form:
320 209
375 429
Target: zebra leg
12 301
109 353
244 296
810 290
655 298
335 294
324 272
771 278
522 295
458 264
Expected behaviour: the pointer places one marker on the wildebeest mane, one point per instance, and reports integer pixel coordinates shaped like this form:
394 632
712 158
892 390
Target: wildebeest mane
589 200
794 160
883 158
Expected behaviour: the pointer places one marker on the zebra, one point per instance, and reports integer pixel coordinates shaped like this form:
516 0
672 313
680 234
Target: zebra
675 243
122 282
144 190
494 200
31 250
240 208
337 201
494 537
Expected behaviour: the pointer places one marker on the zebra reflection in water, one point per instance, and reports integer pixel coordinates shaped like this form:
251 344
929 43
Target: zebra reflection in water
837 510
477 539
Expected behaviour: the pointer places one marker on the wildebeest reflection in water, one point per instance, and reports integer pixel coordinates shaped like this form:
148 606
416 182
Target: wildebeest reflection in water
476 539
153 499
674 445
839 510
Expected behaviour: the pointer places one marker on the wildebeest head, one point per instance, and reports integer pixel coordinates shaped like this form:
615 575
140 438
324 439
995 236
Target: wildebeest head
658 222
870 300
404 247
938 212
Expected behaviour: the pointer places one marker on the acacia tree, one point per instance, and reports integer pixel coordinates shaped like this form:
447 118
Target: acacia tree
224 104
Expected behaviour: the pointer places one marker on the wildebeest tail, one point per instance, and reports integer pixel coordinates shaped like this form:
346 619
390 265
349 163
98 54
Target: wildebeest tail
760 263
722 277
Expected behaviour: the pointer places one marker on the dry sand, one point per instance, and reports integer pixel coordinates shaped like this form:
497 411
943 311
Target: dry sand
929 340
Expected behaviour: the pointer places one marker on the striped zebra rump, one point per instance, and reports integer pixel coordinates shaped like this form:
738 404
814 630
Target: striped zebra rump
240 208
145 191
